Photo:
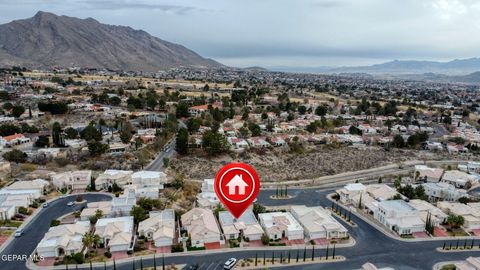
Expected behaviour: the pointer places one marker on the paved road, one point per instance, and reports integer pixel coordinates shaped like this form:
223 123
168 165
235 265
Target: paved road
36 229
372 245
157 163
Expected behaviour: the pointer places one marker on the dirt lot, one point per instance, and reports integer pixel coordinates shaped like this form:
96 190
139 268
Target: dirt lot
280 165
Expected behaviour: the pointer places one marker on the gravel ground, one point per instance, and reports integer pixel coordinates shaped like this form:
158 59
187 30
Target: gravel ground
281 165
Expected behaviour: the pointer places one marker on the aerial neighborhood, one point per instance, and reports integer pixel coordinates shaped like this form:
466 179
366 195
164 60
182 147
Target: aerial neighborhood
115 158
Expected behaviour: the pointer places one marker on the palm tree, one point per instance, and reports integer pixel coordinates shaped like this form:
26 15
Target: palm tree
87 240
96 240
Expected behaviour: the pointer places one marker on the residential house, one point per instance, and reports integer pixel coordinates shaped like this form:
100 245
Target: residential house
350 191
442 191
202 227
318 223
207 198
63 240
470 214
147 183
123 204
426 209
258 142
116 233
245 226
280 225
459 179
74 180
34 188
16 140
105 207
107 178
399 216
427 174
159 227
15 200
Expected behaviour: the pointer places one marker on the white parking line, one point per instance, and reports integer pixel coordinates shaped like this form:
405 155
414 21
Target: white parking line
210 265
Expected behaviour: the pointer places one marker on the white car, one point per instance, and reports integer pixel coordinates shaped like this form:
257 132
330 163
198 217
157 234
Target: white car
70 203
230 263
45 205
18 233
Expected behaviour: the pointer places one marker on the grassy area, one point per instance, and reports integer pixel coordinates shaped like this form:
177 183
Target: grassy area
143 252
6 232
10 223
457 233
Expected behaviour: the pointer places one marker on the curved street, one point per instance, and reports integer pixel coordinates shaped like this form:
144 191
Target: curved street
371 244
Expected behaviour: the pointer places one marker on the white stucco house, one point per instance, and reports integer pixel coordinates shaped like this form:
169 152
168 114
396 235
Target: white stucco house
280 225
63 240
159 227
202 227
116 233
245 226
318 223
399 216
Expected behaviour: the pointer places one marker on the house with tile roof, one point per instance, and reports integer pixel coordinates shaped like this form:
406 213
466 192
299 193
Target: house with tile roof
116 233
318 223
202 227
159 227
63 240
245 226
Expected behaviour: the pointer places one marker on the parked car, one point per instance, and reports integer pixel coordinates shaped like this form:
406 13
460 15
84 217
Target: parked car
70 203
18 233
45 205
230 263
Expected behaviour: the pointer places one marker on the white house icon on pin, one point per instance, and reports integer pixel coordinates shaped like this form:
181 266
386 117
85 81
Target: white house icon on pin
235 182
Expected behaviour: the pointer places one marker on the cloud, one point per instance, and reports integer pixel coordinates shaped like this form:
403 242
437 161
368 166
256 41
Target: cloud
129 5
327 3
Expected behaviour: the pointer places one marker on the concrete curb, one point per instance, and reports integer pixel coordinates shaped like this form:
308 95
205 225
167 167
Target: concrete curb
34 215
395 237
33 266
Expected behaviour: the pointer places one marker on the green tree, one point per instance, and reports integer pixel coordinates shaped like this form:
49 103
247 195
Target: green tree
139 214
91 133
18 110
71 133
254 129
398 141
181 144
321 110
126 132
193 124
42 141
182 110
57 136
214 143
97 148
16 156
455 221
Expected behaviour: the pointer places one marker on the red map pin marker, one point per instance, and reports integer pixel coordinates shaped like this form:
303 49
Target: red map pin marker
237 186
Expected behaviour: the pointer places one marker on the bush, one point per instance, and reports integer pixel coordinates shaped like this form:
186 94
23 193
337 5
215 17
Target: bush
108 254
195 248
265 239
61 161
23 210
177 248
79 199
54 222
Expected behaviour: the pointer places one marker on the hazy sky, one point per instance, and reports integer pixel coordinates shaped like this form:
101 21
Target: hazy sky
289 32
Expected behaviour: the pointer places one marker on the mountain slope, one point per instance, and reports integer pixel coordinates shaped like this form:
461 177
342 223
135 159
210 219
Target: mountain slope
455 67
47 40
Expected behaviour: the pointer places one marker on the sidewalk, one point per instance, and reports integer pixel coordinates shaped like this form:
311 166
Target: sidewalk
33 266
34 215
372 222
